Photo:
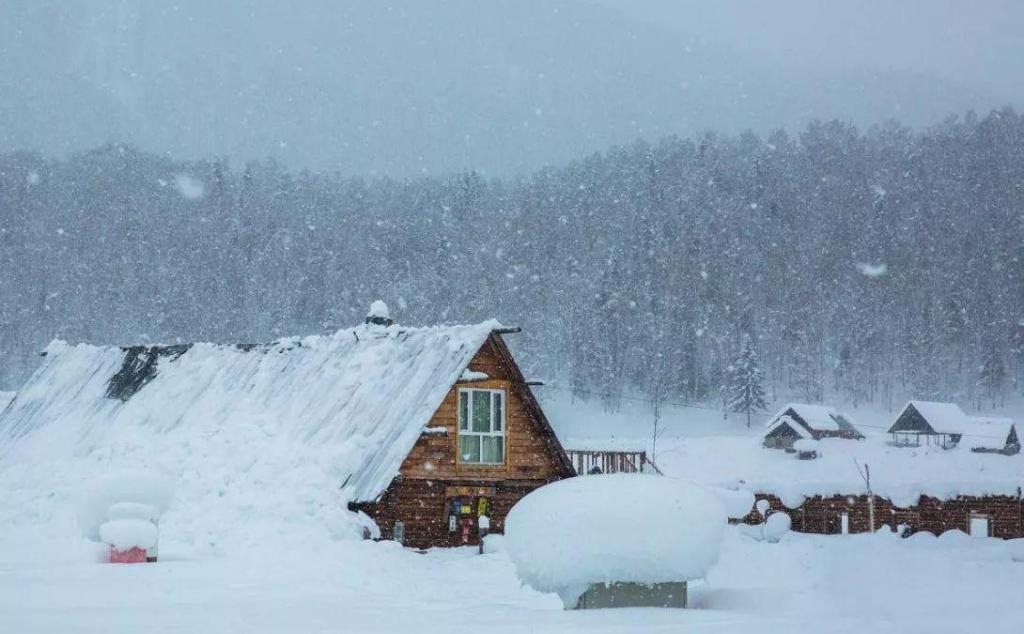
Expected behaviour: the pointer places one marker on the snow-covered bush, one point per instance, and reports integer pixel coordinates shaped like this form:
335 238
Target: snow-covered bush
776 526
613 528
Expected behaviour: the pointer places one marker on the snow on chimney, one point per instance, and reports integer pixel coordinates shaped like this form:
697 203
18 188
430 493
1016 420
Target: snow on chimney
379 315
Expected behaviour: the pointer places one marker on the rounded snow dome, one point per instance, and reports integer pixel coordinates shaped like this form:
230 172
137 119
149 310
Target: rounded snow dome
614 528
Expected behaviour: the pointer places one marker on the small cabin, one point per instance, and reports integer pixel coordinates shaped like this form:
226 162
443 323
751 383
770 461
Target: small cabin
929 423
991 434
798 421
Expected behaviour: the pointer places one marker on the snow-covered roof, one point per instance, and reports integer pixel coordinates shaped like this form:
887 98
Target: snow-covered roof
815 417
943 418
787 420
899 473
988 432
361 395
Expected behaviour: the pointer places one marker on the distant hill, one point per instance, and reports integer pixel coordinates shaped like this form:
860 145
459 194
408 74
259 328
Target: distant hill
402 87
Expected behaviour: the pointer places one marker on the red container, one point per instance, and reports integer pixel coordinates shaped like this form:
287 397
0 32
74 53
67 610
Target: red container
133 555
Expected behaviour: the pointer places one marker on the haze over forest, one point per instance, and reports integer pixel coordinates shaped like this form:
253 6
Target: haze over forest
640 187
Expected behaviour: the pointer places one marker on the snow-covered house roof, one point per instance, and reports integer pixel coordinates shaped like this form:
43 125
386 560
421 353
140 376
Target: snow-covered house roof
785 420
990 432
358 398
929 417
815 418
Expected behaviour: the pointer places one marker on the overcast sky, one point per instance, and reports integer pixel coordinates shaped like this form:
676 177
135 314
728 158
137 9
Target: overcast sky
412 87
979 44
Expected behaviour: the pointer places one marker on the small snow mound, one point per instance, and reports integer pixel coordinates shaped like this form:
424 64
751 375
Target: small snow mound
872 270
776 526
189 187
137 489
133 511
379 309
763 506
570 534
124 534
806 445
1016 548
737 502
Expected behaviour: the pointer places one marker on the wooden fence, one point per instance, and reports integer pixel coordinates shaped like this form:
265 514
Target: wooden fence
587 461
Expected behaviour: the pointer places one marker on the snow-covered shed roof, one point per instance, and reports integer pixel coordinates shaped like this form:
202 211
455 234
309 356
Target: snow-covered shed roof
988 432
814 417
363 394
941 418
897 473
787 421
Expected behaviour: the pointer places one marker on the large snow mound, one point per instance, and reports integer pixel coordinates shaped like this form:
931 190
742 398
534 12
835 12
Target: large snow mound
265 444
614 528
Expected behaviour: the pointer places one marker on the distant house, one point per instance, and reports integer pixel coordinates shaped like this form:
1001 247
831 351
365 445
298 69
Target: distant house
426 429
798 421
930 423
993 435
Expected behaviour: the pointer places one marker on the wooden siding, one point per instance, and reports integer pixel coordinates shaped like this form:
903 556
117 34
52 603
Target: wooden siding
433 473
821 514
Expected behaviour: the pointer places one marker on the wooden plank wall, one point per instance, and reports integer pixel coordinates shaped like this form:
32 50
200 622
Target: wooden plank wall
418 497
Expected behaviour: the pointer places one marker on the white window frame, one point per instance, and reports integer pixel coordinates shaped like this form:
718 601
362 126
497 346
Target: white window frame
465 427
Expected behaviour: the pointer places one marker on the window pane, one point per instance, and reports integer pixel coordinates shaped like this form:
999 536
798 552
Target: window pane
463 410
469 447
481 411
493 449
496 402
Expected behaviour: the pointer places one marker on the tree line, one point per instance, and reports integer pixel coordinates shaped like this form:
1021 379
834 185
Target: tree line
857 266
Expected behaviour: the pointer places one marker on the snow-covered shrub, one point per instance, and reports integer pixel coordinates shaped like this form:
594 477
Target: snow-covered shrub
776 526
613 528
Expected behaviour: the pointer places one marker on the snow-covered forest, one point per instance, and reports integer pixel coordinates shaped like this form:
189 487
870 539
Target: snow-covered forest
865 265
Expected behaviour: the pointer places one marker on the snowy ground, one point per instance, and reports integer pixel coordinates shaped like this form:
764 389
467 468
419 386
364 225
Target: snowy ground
245 572
802 584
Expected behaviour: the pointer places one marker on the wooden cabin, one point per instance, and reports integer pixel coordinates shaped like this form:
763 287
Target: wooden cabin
929 423
802 421
425 429
989 434
486 446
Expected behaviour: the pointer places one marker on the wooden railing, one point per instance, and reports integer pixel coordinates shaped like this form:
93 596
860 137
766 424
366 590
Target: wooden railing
588 461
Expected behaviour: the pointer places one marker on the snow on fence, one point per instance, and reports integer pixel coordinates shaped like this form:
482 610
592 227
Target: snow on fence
589 461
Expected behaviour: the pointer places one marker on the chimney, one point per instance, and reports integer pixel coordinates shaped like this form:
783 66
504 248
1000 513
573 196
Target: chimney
378 315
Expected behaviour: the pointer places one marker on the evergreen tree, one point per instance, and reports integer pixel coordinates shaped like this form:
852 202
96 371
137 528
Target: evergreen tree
991 376
746 394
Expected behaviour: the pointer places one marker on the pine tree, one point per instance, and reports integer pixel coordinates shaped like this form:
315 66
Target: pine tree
992 375
746 395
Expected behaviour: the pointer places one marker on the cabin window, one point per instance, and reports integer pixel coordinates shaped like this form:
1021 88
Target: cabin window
482 426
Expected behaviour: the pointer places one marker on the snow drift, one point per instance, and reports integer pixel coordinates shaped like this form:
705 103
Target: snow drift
607 528
264 443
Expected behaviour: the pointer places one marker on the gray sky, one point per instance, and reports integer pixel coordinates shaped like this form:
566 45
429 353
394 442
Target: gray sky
978 44
415 87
